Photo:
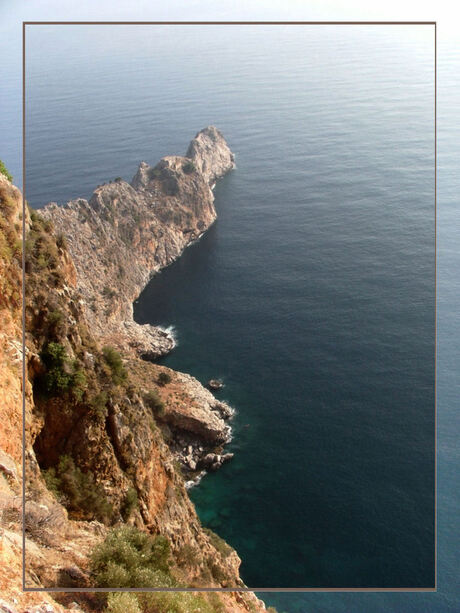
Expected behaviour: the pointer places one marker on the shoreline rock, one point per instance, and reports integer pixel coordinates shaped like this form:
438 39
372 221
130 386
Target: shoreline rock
215 384
195 424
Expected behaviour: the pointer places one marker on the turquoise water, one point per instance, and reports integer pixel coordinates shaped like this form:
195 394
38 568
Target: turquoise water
315 285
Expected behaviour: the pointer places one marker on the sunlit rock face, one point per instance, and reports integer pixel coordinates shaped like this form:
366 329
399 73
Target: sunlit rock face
127 232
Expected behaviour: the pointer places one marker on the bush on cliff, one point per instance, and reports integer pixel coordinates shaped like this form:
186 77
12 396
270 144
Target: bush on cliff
98 404
61 376
177 602
122 602
129 557
164 378
4 171
61 241
130 502
189 167
43 255
153 401
78 491
115 363
166 602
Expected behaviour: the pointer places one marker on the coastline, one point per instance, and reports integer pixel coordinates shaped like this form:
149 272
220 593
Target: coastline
172 202
104 420
141 228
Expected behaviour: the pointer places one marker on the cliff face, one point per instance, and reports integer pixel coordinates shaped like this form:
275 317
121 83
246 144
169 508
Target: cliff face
106 435
127 232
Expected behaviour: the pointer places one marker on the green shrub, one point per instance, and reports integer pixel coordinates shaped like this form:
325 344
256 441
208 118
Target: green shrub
130 502
98 404
115 363
42 261
129 557
177 602
56 380
152 400
41 249
188 555
164 378
52 481
122 602
215 602
78 491
4 171
6 253
78 381
61 377
61 241
188 167
55 318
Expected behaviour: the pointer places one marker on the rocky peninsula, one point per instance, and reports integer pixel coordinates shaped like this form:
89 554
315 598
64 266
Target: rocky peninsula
119 239
127 232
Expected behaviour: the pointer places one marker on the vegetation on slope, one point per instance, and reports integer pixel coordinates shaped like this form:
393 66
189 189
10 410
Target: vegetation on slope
131 558
4 171
75 382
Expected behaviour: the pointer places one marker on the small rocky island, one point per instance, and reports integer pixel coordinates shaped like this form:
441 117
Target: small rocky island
215 384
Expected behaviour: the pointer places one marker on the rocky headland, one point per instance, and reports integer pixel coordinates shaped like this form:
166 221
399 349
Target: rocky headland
127 232
111 439
119 239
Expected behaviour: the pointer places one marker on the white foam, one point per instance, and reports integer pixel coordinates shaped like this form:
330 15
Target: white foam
193 482
171 332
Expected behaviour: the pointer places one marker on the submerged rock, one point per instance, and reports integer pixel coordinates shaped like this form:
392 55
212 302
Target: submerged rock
215 384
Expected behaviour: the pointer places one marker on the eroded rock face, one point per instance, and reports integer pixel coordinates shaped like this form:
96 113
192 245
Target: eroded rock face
210 154
201 414
120 443
194 423
127 232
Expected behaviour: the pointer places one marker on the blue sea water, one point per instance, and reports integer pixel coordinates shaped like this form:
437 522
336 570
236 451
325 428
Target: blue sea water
312 296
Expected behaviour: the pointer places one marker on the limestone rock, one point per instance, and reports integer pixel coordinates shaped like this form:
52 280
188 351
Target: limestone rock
126 233
210 154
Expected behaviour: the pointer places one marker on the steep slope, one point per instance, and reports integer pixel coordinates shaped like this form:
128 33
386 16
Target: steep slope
96 453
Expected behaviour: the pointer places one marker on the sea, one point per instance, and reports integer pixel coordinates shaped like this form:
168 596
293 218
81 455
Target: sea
313 295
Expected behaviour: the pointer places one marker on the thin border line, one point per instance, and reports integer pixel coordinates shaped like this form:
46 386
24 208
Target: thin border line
435 305
236 588
229 23
23 306
230 589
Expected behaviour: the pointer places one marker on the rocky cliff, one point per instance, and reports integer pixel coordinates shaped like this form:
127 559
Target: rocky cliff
127 232
110 439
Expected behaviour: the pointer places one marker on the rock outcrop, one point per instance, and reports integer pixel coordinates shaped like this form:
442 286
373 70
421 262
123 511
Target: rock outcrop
210 154
127 232
193 422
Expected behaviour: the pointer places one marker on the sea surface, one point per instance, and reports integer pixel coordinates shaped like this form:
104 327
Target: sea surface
313 294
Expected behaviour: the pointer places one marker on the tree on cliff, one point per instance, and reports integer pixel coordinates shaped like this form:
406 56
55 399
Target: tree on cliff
4 171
